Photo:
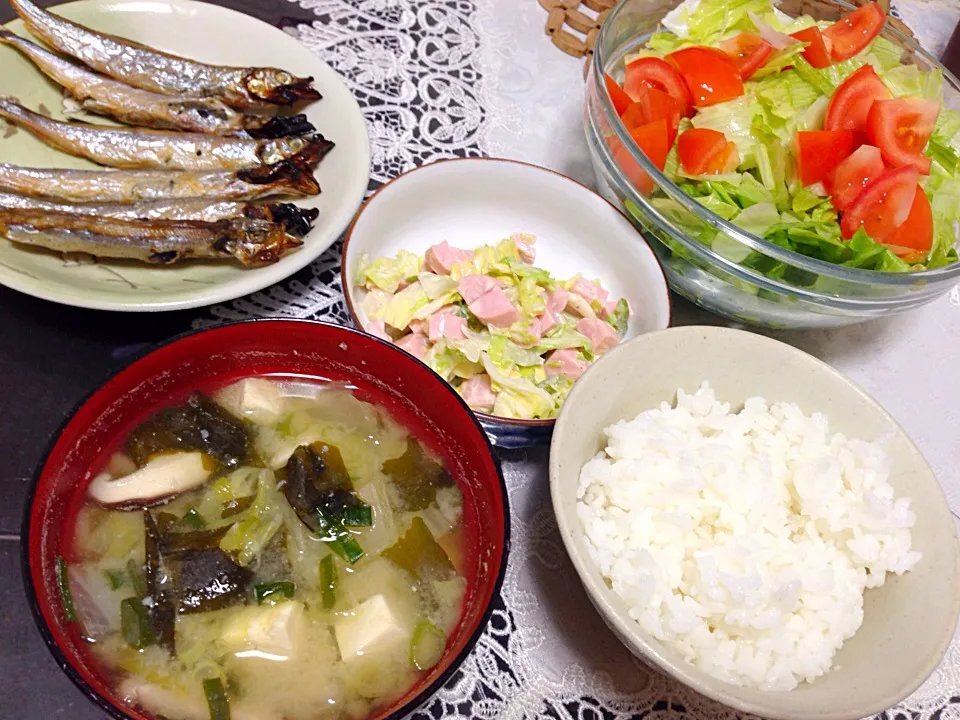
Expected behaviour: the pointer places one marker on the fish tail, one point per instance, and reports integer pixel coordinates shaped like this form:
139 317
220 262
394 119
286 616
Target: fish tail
283 127
290 174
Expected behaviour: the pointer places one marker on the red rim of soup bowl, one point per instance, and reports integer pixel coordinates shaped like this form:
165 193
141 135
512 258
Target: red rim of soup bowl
378 371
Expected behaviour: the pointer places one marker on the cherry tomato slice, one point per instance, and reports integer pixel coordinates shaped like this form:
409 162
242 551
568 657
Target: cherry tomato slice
653 104
820 151
816 52
748 51
850 103
901 128
915 236
883 205
709 73
848 179
703 151
854 31
621 101
653 72
652 139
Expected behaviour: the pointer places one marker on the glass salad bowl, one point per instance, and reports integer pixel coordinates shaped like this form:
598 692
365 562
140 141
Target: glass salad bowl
708 259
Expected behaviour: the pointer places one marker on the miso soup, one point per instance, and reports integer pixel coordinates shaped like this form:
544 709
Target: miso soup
279 551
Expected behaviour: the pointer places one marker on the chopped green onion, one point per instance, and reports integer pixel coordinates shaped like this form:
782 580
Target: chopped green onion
135 623
116 578
136 578
63 584
426 645
216 699
194 519
272 592
359 515
329 581
331 531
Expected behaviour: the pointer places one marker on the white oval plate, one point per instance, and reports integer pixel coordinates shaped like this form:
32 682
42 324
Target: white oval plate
208 33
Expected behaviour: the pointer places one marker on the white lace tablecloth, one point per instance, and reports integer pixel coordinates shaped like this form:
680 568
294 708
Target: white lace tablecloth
439 78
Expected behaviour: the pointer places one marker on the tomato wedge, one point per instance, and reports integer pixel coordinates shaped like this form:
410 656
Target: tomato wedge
709 73
652 72
748 51
820 151
652 139
854 31
703 151
816 52
901 128
848 179
653 104
915 236
883 205
850 103
621 101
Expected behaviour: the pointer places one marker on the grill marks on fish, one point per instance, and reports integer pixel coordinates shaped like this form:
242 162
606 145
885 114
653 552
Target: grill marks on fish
136 148
288 177
160 72
251 241
101 95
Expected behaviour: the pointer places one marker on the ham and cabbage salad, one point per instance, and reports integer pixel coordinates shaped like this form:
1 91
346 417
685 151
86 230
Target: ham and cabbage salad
815 136
509 337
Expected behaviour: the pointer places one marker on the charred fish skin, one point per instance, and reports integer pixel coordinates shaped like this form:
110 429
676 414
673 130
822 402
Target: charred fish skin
150 69
252 242
124 186
296 221
136 148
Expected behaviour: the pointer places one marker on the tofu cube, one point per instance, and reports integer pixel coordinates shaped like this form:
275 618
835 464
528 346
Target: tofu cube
372 626
269 629
254 398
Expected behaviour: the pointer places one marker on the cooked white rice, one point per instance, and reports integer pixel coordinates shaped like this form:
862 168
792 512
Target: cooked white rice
743 540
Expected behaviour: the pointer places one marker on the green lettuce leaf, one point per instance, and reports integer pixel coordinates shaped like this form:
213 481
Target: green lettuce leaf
518 397
403 306
387 273
619 317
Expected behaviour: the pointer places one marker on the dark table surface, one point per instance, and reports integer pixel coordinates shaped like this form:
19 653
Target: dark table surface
51 356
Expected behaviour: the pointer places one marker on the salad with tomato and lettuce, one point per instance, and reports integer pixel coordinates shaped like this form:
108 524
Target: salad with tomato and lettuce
815 136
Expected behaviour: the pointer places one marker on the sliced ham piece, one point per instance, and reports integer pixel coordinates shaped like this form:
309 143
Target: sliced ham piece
478 394
557 300
414 344
471 287
494 308
589 290
601 335
441 258
565 362
547 320
525 248
535 328
378 329
609 306
445 325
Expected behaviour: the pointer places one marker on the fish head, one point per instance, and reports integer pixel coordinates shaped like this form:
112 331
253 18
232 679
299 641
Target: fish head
258 242
279 86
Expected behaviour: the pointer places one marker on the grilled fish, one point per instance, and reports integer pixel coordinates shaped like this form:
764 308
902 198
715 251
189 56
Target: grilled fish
252 242
287 177
297 221
134 148
101 95
149 69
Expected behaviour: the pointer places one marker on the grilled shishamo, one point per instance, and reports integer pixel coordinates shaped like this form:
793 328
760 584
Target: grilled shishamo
149 69
288 177
99 94
135 148
252 242
297 221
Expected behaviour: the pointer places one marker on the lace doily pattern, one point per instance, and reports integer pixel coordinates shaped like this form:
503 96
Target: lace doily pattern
413 66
